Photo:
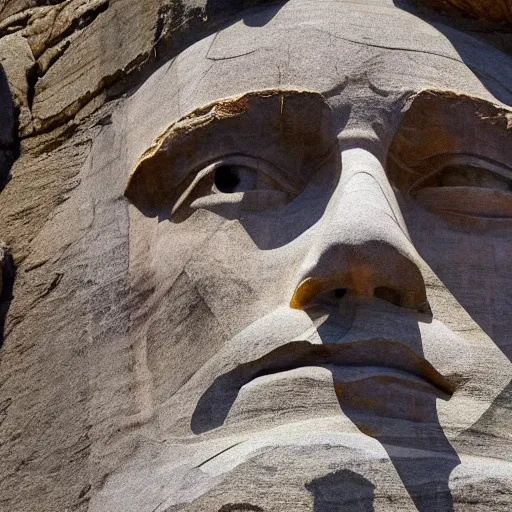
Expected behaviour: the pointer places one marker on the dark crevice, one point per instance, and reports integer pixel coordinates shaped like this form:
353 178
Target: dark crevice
340 293
32 77
55 143
8 271
10 145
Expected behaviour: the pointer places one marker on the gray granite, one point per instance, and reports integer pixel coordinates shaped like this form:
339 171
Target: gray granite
262 259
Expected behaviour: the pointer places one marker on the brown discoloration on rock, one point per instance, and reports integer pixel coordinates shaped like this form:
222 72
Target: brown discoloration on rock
491 10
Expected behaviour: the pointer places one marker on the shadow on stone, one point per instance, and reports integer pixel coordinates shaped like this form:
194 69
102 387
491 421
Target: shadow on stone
342 490
6 286
254 18
463 33
214 405
261 18
401 417
9 151
9 146
405 423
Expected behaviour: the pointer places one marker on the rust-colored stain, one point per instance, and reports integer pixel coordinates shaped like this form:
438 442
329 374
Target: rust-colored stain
230 108
490 10
306 292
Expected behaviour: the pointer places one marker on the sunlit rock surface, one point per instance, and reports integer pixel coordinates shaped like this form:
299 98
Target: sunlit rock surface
255 256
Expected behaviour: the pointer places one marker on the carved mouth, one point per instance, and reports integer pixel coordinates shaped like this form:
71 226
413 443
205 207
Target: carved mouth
215 403
372 353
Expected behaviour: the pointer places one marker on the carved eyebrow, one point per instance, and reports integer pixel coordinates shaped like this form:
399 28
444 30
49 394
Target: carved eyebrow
483 110
438 126
288 113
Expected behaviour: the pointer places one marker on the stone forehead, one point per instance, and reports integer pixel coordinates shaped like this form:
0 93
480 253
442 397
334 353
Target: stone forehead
325 41
315 46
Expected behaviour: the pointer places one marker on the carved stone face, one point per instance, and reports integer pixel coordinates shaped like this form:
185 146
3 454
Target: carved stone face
321 231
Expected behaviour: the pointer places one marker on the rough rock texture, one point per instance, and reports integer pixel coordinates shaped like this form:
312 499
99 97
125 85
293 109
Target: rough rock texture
17 61
60 61
119 319
492 10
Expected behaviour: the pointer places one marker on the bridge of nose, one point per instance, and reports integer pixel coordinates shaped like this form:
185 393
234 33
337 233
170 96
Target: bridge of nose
364 193
363 210
362 243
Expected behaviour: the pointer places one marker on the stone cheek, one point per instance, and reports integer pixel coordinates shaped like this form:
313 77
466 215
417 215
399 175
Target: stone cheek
288 306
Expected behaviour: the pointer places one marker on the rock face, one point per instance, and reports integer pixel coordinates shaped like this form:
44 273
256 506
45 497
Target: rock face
491 10
256 256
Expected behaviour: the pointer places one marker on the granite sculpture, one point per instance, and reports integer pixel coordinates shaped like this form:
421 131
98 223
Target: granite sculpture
272 274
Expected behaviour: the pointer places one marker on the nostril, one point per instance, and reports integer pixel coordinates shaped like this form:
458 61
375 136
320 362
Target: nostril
388 294
331 298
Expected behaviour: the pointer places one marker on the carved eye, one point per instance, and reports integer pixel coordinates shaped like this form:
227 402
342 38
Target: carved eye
234 180
470 176
468 187
229 179
466 171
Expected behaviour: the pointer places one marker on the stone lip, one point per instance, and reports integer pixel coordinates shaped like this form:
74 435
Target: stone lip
371 357
361 354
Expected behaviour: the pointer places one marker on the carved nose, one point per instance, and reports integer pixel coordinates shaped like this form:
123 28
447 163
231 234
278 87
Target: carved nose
373 270
360 248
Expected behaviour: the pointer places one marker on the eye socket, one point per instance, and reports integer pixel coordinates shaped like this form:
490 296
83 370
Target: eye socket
470 176
229 179
468 171
226 179
255 182
467 187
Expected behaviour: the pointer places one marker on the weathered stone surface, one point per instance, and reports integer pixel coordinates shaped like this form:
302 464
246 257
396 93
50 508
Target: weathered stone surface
94 59
18 63
491 10
231 291
83 47
9 8
49 26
